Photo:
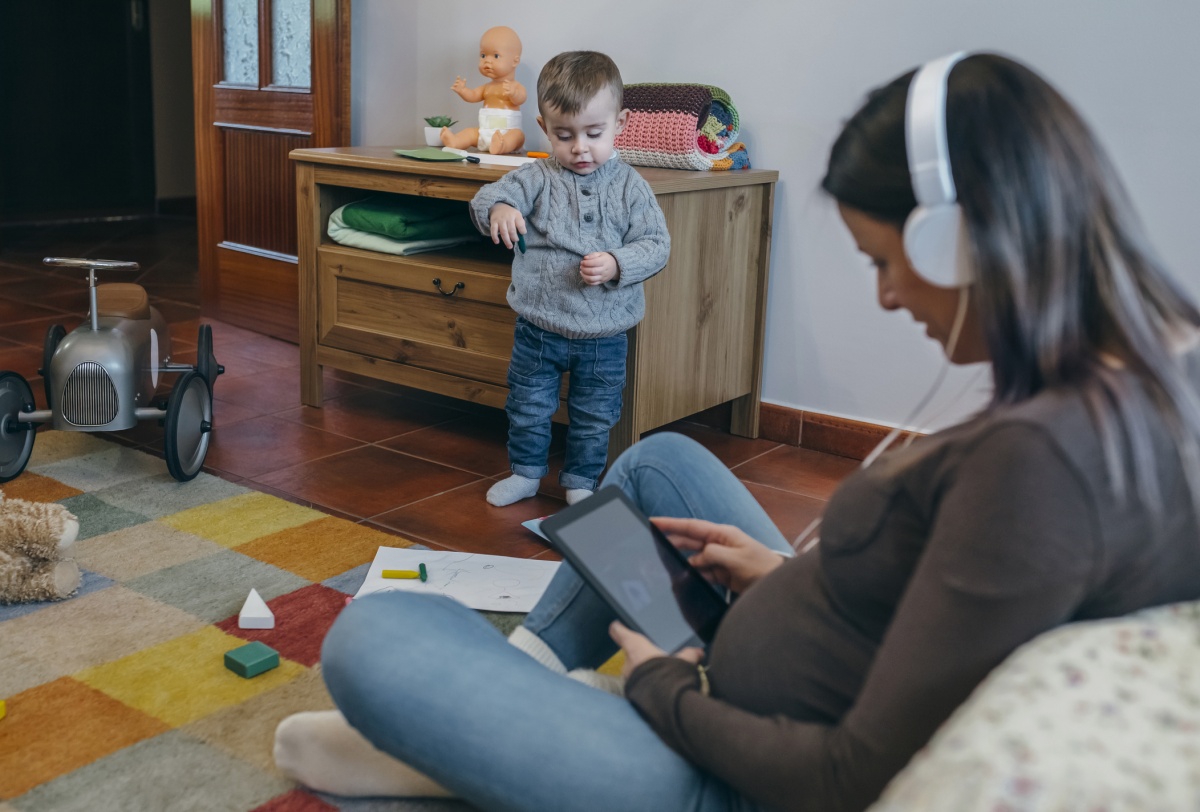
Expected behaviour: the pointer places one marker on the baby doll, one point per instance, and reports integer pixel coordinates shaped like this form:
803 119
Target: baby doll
34 538
499 129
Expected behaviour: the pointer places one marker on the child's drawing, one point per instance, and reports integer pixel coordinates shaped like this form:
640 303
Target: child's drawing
490 582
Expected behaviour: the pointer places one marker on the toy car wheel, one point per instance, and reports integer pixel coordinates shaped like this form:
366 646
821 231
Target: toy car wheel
53 335
188 426
16 438
206 362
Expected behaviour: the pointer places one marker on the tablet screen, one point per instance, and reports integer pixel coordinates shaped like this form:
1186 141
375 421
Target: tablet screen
639 572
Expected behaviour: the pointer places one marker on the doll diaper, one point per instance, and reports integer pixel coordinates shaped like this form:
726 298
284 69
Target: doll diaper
496 119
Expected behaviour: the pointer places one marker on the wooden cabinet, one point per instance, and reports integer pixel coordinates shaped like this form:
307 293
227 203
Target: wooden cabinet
439 321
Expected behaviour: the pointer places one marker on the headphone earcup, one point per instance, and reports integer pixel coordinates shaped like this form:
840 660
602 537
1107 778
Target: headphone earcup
935 241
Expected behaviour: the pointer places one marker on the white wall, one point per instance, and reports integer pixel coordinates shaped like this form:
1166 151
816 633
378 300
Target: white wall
795 70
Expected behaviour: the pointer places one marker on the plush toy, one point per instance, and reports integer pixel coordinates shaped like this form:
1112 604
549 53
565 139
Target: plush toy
35 537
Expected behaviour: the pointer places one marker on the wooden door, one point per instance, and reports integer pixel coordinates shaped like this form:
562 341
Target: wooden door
270 76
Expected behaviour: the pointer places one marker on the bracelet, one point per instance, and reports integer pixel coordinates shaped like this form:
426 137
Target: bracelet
702 670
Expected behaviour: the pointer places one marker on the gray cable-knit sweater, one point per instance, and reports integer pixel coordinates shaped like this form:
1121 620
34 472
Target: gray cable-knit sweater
566 217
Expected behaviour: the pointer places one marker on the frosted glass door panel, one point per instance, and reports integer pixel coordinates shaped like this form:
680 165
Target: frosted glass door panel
291 43
240 38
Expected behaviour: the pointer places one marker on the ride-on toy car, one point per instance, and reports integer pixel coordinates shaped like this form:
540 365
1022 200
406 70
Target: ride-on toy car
103 376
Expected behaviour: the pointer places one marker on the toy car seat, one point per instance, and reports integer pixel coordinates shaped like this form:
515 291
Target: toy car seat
123 300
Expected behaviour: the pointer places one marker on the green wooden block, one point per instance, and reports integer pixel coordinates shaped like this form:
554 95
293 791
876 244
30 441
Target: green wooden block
251 659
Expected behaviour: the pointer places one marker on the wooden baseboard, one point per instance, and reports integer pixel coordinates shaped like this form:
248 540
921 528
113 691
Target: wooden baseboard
779 424
820 432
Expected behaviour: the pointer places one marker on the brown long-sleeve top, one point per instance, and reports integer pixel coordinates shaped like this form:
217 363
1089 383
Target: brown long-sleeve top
934 565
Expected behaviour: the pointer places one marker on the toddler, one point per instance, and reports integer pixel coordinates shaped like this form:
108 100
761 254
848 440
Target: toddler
593 233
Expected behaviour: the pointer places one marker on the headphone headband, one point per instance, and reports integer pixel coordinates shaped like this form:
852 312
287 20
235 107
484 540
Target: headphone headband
925 128
934 233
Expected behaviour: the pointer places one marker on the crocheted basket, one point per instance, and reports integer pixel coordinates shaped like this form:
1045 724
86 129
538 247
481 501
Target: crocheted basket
681 126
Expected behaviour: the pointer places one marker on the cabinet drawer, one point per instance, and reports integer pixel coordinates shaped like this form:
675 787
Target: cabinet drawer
389 308
484 279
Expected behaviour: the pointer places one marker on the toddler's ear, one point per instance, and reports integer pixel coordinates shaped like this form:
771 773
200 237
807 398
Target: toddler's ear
622 120
542 124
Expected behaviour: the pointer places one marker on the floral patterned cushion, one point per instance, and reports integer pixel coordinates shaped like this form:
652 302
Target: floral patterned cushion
1099 716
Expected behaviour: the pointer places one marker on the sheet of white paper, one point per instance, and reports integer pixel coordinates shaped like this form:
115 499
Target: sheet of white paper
505 160
535 525
492 582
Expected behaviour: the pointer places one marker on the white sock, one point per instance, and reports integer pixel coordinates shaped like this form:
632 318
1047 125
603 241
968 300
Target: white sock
577 495
513 489
320 750
535 647
603 682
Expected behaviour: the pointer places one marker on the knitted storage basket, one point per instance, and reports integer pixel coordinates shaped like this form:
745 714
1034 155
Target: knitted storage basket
681 126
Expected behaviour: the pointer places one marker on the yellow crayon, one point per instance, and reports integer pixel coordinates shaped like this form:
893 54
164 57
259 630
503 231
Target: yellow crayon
401 574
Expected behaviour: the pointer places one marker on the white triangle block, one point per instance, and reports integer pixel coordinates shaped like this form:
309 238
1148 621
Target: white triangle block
255 614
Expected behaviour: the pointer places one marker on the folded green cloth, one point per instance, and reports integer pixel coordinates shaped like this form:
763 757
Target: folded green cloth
407 217
340 233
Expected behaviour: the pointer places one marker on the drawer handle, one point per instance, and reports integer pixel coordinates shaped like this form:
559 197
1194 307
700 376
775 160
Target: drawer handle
437 283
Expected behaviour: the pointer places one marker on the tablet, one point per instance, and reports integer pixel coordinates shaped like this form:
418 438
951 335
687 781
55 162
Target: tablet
631 564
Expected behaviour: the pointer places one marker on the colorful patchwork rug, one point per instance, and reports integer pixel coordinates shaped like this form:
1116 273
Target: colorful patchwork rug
118 698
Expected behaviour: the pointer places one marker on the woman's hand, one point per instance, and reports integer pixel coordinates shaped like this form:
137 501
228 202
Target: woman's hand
506 224
722 552
638 648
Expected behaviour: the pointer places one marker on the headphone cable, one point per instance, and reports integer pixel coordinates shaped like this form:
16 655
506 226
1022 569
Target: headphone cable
951 345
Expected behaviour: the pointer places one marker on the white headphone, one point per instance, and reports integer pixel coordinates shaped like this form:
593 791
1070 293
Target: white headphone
934 234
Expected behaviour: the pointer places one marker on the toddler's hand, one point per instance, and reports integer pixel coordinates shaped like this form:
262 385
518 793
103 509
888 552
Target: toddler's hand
598 268
507 223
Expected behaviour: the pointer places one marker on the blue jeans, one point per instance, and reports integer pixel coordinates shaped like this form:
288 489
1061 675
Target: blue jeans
597 367
435 685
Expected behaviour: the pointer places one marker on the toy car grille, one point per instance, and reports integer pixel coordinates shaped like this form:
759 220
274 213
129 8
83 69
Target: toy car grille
89 397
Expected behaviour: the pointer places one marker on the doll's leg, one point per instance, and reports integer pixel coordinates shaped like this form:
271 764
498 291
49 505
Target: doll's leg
462 139
506 141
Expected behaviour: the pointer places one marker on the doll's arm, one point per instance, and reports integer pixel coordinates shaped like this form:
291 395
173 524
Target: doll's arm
469 94
514 91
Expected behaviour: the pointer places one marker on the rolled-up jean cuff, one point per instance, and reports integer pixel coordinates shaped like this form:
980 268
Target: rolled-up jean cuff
531 471
576 482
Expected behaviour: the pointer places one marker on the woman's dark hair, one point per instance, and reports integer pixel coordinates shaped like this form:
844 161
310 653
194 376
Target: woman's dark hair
1067 286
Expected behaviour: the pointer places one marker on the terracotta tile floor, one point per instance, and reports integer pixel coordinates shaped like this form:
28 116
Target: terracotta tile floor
400 460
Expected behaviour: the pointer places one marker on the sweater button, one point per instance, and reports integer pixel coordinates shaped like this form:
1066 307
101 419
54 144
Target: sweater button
585 192
587 218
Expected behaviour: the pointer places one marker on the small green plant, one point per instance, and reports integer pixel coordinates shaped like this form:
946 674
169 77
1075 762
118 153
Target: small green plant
440 121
